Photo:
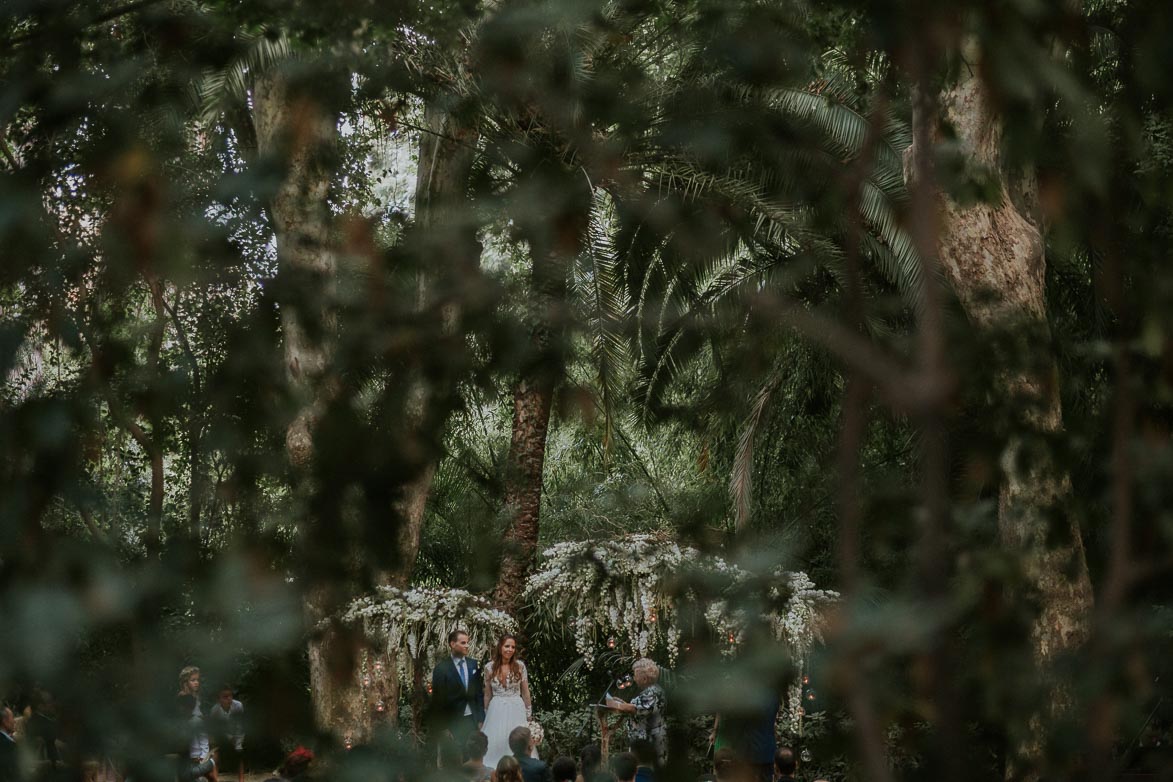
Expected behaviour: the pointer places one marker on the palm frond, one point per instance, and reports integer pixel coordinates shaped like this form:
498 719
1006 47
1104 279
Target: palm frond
612 308
226 89
741 476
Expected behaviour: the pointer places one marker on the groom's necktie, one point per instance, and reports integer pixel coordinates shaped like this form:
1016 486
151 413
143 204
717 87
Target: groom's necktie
463 673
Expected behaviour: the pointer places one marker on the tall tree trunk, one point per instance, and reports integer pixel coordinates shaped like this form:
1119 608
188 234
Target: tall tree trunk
153 445
195 428
299 132
993 254
302 135
533 396
447 230
555 240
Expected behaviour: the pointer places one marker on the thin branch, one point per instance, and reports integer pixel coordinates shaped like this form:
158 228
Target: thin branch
87 516
853 428
107 16
933 558
181 332
13 163
905 390
437 134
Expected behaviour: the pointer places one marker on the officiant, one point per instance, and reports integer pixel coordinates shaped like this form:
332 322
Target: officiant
647 708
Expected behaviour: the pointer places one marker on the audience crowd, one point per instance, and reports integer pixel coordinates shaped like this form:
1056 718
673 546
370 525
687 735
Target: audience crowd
213 743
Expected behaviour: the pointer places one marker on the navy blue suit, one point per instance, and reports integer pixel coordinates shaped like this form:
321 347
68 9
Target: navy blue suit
9 765
451 698
533 770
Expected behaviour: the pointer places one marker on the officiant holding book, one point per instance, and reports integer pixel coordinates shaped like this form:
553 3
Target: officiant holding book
647 708
458 700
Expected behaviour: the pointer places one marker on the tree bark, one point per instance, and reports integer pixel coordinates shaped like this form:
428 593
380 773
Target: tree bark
555 240
993 255
447 230
301 134
533 396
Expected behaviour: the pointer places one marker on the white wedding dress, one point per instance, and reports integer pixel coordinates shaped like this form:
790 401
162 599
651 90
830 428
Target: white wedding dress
507 710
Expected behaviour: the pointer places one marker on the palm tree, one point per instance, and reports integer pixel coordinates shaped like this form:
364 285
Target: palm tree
647 230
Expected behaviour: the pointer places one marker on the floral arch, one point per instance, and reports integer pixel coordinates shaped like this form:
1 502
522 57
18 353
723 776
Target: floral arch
636 590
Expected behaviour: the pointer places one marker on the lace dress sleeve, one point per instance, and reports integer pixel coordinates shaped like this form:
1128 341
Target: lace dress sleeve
525 696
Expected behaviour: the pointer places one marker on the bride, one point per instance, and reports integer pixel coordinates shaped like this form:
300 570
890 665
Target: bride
507 701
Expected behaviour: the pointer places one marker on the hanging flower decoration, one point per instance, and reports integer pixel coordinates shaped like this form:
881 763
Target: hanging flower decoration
794 616
629 589
413 624
613 589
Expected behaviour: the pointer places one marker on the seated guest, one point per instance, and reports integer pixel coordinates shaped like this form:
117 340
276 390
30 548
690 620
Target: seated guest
294 766
508 770
41 728
474 757
564 769
451 761
728 767
226 727
645 758
521 743
590 761
785 765
9 764
623 766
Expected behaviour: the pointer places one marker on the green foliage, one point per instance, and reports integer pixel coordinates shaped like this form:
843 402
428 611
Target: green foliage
751 253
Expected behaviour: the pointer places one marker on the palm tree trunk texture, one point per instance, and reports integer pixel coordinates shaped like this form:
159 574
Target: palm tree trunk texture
533 396
555 240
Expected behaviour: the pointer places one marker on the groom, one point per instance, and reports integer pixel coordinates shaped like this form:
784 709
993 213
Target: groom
458 694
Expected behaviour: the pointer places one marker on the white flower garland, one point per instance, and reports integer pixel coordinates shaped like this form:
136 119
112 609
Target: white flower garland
612 587
620 588
414 623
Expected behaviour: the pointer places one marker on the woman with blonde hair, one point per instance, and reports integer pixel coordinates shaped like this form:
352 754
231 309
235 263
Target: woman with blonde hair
508 770
647 708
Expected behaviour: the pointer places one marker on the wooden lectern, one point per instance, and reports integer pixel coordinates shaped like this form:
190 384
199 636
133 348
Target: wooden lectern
609 718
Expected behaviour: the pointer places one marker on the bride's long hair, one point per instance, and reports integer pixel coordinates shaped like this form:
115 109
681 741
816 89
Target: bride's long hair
501 669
